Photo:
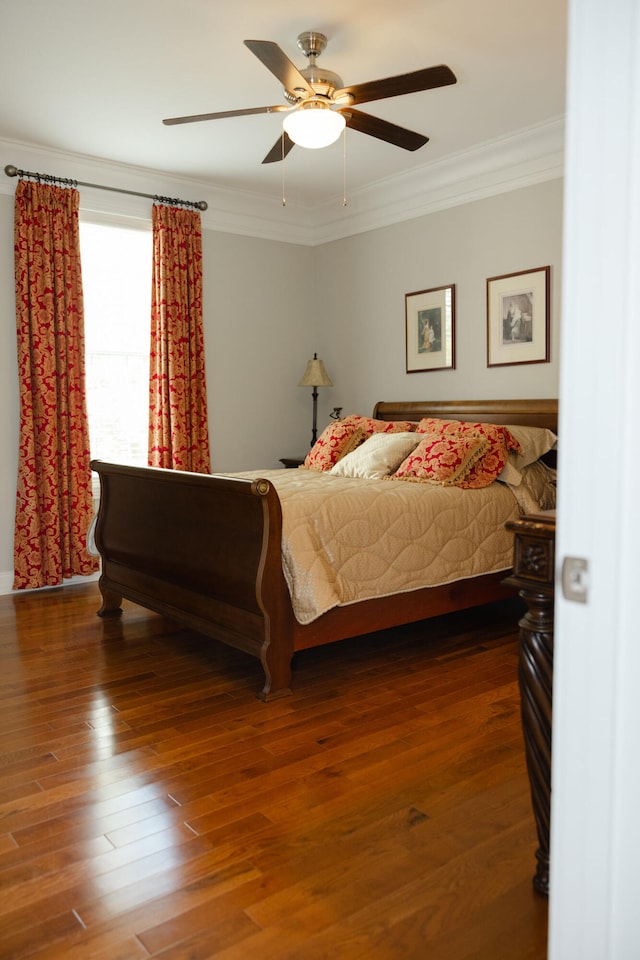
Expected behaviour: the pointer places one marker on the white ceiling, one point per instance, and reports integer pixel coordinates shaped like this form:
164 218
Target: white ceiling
96 78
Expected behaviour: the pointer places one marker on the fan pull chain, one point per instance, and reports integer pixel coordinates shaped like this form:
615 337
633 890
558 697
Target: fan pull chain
344 167
284 199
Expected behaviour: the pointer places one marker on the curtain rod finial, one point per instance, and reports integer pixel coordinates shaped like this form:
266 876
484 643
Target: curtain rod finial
10 170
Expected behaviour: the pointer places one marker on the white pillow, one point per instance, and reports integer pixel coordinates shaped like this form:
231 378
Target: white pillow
535 442
378 456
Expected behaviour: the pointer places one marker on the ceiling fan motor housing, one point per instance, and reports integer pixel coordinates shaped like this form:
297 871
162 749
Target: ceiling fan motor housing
324 82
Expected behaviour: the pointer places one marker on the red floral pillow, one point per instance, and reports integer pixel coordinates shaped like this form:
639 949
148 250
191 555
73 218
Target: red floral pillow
441 459
371 426
332 444
340 437
491 463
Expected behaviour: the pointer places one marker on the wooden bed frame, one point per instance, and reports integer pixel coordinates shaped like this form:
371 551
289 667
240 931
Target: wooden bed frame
206 551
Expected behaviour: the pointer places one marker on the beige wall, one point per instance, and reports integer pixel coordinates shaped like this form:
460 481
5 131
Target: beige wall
258 336
9 409
362 323
269 305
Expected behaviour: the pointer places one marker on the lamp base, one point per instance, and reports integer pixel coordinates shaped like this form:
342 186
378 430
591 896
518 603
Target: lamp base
314 431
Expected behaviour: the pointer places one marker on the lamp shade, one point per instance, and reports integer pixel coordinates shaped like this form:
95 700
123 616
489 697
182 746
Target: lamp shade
315 375
314 126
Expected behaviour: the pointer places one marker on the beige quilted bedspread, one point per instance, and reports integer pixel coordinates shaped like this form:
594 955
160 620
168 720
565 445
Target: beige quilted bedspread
346 540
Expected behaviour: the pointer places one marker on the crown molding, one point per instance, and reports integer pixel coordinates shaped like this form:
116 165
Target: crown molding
525 158
228 211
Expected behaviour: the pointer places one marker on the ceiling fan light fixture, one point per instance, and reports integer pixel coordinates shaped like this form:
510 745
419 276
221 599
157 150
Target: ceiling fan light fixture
314 126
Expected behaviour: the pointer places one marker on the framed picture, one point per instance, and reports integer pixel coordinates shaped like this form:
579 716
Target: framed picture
518 318
430 329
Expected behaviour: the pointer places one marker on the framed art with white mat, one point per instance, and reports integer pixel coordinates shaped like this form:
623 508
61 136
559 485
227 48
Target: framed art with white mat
430 329
518 318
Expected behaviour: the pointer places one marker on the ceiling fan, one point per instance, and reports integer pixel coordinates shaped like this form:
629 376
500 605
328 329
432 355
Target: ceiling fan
318 104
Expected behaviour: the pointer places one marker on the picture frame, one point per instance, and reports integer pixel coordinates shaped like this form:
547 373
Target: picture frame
430 329
518 318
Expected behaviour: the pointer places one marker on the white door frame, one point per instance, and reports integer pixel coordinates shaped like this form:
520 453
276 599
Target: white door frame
595 826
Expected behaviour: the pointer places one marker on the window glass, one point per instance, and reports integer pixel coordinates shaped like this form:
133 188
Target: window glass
116 278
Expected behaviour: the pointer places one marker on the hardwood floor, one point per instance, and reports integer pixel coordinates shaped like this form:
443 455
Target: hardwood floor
151 806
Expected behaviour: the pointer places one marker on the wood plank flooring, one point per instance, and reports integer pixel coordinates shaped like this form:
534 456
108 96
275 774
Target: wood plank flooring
151 806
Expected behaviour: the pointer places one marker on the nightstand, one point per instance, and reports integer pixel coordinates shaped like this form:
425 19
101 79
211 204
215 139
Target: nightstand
291 462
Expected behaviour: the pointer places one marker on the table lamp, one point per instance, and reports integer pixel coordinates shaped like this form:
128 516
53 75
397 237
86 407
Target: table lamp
315 376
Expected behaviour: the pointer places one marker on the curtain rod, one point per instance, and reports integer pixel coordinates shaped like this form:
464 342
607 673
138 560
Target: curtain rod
12 171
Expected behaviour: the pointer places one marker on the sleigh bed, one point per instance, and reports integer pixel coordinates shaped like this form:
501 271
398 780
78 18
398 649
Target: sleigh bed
208 551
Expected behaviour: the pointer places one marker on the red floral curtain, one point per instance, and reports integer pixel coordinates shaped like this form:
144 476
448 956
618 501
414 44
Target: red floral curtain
54 501
178 430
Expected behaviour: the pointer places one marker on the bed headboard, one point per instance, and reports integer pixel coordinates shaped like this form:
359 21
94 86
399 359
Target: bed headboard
532 413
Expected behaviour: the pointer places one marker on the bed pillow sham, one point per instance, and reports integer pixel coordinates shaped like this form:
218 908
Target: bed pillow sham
536 488
377 457
441 459
490 464
534 443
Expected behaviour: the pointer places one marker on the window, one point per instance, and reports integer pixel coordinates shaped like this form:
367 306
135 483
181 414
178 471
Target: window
116 277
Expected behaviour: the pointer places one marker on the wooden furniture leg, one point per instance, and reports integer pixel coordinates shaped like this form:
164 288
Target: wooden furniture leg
111 602
536 677
533 575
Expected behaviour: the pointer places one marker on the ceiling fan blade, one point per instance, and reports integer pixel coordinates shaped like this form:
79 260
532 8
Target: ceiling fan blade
426 79
278 63
383 130
279 108
280 149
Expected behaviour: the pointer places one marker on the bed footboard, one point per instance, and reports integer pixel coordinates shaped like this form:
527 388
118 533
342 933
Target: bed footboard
203 550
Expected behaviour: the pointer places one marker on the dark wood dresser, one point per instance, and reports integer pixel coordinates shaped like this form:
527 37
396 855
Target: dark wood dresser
534 577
